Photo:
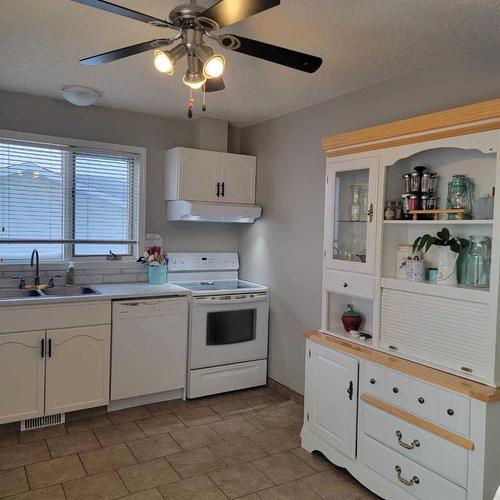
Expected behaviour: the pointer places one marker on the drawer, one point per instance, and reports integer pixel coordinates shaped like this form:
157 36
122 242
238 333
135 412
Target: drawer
356 285
413 478
439 406
385 385
438 454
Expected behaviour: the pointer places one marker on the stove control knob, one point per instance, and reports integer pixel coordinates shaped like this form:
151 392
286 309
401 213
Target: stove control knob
174 260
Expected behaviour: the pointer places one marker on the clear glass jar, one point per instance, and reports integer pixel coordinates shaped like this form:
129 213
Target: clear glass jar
355 206
478 262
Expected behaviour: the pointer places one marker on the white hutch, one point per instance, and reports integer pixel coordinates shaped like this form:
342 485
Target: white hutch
412 409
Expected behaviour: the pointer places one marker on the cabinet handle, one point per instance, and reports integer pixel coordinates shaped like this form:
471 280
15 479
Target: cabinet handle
414 444
345 285
369 213
450 412
372 381
421 401
42 348
50 348
407 482
395 390
393 348
350 390
222 189
218 190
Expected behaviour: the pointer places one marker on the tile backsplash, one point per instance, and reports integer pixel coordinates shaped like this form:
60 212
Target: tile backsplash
85 272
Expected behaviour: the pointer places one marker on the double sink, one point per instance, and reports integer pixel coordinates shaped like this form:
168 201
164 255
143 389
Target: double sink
54 291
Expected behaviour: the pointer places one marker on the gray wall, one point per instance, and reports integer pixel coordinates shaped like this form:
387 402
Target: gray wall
284 248
157 134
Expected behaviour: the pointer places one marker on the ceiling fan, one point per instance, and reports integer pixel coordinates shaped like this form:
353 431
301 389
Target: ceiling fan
193 23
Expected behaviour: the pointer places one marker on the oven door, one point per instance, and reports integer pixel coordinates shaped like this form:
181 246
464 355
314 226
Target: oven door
228 329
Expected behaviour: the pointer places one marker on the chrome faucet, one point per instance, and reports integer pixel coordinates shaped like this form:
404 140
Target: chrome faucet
35 260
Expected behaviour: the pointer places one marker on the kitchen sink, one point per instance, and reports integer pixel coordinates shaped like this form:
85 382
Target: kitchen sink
19 293
70 290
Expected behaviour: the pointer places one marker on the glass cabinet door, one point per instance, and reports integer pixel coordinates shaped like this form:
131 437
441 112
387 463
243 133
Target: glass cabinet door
350 214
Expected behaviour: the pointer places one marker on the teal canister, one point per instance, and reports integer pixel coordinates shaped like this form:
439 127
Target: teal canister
478 262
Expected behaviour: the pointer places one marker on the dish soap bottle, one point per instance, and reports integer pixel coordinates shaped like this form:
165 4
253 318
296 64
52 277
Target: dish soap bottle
70 274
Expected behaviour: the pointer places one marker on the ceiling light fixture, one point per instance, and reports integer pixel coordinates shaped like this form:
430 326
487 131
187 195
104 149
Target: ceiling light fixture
165 59
79 95
194 24
213 64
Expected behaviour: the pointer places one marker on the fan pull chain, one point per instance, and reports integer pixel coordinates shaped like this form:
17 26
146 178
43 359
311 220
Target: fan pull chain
190 103
204 99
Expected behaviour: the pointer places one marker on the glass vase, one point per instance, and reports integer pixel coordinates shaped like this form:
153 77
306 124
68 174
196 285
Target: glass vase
478 262
355 205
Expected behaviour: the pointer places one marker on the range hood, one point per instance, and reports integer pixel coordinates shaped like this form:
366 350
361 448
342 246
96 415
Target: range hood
197 211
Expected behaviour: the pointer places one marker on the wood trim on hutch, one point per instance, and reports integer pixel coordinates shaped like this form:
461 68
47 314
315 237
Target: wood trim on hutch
419 422
469 388
464 120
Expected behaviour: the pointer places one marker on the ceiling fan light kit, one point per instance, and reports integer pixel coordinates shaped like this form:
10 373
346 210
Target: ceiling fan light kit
193 23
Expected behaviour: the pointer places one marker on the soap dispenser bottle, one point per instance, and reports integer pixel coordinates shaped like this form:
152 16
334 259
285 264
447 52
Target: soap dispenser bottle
70 274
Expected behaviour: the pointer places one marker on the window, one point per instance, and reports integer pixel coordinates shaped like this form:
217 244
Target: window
67 201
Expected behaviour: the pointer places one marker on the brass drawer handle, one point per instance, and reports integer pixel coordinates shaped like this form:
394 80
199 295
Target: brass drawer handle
414 444
407 482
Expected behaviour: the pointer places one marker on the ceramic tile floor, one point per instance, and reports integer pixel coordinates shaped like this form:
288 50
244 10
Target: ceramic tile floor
240 445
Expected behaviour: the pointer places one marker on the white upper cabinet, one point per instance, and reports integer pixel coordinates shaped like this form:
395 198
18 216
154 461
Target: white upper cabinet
350 221
209 176
192 174
237 173
22 371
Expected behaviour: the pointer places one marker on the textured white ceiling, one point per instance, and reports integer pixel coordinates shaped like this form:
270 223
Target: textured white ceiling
361 41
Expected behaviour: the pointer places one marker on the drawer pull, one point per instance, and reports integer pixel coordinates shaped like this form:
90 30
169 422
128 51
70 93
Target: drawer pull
393 348
395 390
407 482
345 285
421 400
450 412
372 381
414 444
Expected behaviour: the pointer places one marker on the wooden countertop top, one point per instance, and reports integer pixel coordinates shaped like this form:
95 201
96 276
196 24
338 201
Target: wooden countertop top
469 388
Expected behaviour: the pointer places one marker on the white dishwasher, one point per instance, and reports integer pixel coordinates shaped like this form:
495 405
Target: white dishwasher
149 346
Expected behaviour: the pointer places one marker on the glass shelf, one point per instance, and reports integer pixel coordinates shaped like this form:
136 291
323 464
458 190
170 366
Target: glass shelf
438 222
354 221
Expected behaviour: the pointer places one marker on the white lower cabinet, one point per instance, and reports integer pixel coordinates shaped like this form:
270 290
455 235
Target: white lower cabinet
77 374
332 395
54 369
22 371
402 438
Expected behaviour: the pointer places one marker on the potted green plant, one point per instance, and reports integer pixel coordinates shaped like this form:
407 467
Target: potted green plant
449 249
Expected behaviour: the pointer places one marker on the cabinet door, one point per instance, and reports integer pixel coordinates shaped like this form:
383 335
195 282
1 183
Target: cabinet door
350 219
331 397
198 175
22 369
238 178
77 373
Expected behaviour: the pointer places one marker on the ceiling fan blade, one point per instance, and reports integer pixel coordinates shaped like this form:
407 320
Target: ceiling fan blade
131 50
226 12
123 11
272 53
215 84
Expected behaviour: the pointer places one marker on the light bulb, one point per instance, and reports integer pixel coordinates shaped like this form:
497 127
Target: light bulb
214 66
194 83
164 63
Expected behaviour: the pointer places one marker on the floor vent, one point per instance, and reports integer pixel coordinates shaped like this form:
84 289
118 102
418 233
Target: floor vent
39 422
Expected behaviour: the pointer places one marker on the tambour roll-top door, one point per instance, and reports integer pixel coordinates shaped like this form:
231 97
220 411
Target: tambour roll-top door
447 332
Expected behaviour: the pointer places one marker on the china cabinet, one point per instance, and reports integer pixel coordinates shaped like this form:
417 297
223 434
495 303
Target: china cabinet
426 357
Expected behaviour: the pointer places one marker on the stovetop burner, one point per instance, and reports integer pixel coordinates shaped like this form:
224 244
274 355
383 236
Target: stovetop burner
217 285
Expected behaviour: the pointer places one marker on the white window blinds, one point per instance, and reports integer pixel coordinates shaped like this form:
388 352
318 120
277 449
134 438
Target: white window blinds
66 201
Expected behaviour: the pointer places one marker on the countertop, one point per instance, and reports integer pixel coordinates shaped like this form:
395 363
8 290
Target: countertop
461 385
108 291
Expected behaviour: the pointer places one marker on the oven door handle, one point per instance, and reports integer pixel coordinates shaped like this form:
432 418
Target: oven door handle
230 302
